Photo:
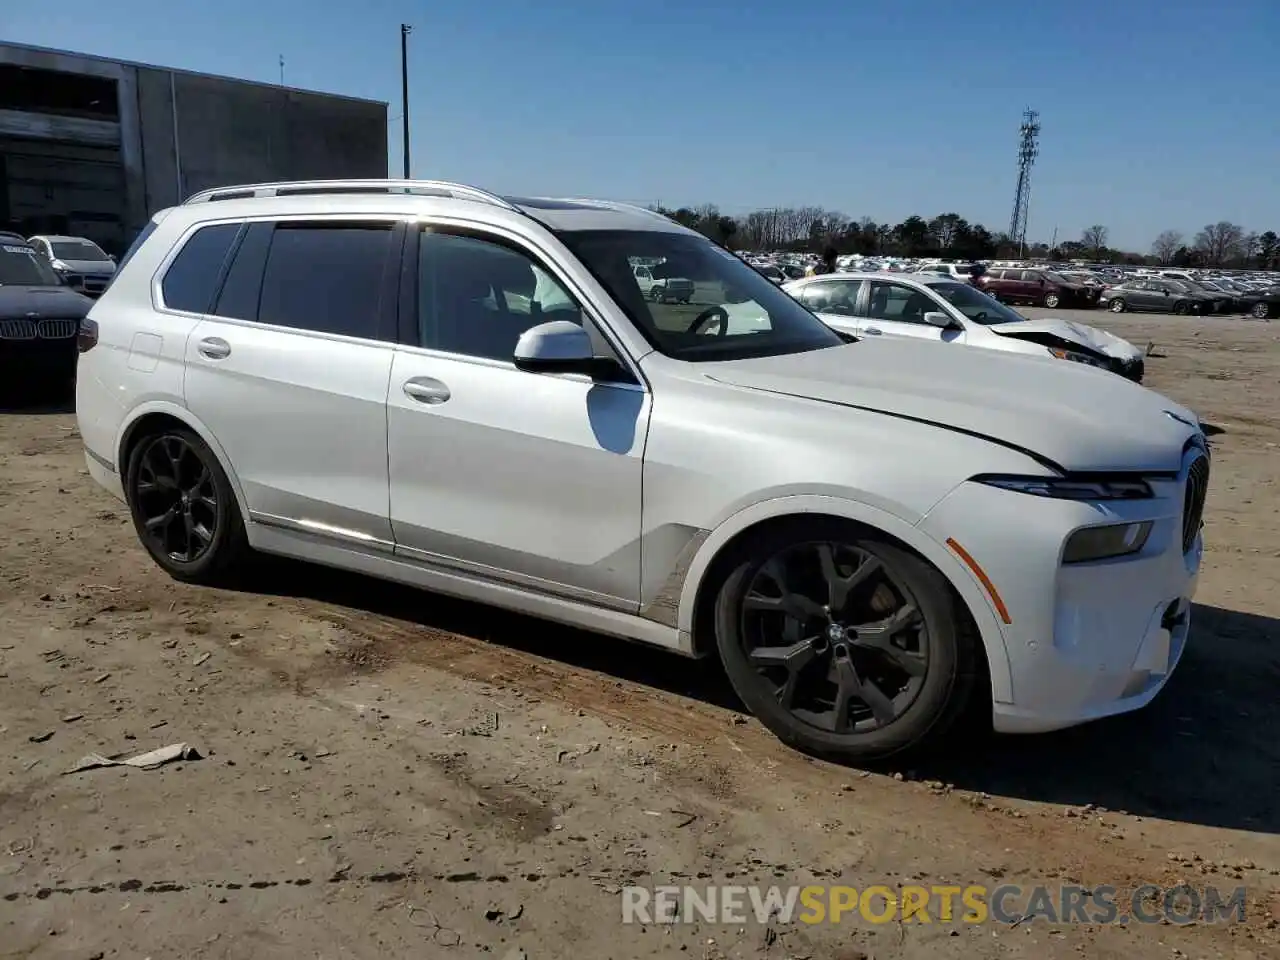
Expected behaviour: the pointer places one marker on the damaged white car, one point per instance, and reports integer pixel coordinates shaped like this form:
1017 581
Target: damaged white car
941 309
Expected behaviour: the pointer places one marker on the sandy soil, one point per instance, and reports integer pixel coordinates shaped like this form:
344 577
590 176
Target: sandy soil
387 773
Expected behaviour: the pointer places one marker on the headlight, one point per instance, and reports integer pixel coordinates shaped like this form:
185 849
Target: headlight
1076 357
1106 543
1063 488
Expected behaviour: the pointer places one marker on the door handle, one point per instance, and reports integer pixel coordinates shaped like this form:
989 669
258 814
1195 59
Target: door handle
426 390
214 348
872 330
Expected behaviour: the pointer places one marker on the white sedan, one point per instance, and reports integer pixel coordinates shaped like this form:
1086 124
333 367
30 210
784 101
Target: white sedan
929 307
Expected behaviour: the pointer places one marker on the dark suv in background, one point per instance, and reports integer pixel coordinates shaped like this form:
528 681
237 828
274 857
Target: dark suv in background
1038 287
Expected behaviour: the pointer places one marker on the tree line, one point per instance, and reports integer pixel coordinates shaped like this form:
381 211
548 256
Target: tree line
949 235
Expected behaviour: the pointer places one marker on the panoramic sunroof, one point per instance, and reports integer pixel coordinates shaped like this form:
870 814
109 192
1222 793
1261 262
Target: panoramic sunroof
542 203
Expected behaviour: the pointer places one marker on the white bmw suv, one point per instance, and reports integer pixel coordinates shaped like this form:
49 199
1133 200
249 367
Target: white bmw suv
425 382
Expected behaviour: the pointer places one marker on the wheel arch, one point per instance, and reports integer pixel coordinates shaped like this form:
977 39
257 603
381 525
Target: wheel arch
156 414
709 567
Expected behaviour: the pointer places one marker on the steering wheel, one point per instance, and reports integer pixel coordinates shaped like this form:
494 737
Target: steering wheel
706 316
980 316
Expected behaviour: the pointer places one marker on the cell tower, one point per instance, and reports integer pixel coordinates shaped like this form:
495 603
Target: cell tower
1028 150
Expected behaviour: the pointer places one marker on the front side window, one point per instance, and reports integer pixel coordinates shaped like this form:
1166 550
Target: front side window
976 306
832 296
705 303
20 266
192 278
897 303
326 277
476 296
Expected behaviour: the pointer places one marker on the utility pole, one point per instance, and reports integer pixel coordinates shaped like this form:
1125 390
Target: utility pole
404 91
282 69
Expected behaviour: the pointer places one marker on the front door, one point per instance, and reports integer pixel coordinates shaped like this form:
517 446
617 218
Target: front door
897 310
532 478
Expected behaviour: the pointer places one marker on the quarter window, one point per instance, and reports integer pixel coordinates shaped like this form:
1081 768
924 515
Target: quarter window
326 277
892 301
476 297
192 277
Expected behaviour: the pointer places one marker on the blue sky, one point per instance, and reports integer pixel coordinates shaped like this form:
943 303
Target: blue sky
1155 115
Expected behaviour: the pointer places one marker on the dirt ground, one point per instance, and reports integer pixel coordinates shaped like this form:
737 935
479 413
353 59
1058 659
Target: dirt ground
387 773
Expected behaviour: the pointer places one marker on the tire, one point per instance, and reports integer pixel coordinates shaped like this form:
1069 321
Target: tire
932 700
1051 301
1180 308
1260 310
201 492
1116 305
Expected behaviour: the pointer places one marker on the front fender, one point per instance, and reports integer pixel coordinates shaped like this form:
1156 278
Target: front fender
957 573
179 412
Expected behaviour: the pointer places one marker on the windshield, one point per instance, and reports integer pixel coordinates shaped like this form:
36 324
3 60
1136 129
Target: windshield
1060 278
19 266
976 305
77 250
698 301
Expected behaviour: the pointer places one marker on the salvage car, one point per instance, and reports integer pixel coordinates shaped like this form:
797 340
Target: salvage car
1038 287
870 535
39 319
1157 294
82 264
922 307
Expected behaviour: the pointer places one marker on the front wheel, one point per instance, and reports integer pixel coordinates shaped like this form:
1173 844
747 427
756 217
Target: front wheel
1180 308
1116 305
844 644
1260 310
1051 301
183 507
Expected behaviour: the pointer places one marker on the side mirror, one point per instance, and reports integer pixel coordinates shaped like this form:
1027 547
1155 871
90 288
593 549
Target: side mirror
936 318
558 346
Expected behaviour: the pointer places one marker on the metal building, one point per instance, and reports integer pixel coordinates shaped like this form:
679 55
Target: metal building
92 147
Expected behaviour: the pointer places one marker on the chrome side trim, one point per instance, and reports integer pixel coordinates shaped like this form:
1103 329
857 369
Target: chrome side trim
362 559
328 531
517 580
101 461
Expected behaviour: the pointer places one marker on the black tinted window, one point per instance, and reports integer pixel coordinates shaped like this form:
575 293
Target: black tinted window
476 297
325 277
192 278
238 298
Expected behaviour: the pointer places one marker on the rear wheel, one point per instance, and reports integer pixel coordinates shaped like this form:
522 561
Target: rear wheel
1261 310
1051 300
844 644
1116 305
183 507
1180 308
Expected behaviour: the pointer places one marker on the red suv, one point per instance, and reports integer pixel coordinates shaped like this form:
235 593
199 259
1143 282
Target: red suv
1039 287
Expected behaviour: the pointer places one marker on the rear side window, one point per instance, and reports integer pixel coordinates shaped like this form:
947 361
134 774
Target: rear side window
326 277
192 278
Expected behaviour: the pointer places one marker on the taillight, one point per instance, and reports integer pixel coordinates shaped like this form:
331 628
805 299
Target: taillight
87 336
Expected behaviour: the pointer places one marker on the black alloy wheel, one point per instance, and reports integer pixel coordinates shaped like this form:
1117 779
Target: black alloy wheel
1260 310
183 507
844 645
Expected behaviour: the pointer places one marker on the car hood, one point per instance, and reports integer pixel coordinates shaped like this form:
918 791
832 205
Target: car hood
1086 336
1076 417
17 302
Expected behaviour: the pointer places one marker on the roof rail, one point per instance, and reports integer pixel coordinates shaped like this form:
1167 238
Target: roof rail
426 188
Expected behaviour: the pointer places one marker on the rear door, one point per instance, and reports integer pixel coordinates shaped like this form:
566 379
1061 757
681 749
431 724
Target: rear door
289 371
835 302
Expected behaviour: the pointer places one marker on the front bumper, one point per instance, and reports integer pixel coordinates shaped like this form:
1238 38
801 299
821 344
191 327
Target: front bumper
1086 640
